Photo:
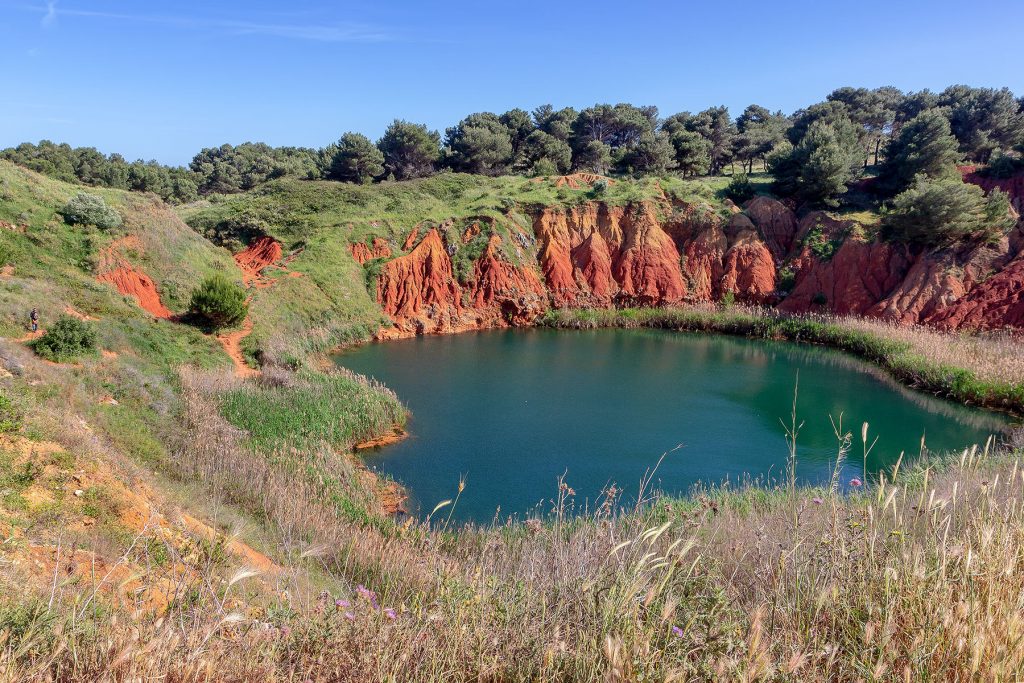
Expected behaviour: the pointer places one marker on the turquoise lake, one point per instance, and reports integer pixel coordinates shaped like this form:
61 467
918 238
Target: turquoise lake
510 411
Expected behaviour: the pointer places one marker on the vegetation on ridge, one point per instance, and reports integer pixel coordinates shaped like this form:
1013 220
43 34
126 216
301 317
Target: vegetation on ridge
225 524
816 152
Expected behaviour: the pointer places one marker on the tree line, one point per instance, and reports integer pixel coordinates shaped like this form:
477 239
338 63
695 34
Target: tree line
814 153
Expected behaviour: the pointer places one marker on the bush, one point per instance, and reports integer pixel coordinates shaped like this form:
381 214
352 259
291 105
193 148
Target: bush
1003 166
10 415
945 211
67 338
90 209
219 302
740 188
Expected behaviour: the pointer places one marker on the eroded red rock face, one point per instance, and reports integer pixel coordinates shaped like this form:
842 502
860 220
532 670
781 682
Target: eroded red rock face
421 294
748 269
662 253
995 303
515 295
648 268
134 283
594 255
776 223
419 291
260 253
363 253
855 279
728 259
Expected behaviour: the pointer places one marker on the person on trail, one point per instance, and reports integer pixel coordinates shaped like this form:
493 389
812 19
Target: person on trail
33 318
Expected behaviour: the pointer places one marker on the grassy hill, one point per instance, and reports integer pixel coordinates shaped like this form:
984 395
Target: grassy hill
317 221
225 524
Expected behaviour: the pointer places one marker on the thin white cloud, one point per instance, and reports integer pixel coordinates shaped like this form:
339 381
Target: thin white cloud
345 32
51 14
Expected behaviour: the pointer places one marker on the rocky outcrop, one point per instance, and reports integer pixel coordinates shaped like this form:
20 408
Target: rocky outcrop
419 290
363 253
421 294
856 278
776 223
748 268
647 265
515 295
994 303
659 252
730 260
596 255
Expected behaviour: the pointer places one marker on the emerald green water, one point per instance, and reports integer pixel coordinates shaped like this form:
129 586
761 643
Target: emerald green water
511 411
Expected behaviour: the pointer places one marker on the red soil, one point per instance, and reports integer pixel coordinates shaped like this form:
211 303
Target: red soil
363 253
578 181
135 283
114 268
232 343
662 252
411 239
261 252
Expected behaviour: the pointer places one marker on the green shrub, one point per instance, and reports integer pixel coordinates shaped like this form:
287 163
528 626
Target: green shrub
740 188
90 209
945 211
787 279
219 302
10 415
67 338
821 246
1003 166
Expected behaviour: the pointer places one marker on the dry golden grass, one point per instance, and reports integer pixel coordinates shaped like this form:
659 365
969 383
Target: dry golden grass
993 357
919 577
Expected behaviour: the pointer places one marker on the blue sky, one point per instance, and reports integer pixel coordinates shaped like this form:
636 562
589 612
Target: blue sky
160 80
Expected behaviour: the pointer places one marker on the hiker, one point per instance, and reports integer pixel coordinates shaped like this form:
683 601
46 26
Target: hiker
33 318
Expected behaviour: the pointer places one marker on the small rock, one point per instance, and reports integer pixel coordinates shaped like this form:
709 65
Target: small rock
79 492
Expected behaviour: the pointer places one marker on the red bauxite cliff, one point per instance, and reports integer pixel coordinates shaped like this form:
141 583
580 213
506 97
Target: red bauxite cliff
659 252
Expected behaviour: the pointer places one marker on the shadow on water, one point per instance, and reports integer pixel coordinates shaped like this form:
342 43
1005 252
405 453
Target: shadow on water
512 411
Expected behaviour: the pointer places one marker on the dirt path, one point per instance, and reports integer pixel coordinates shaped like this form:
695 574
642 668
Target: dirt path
232 343
262 253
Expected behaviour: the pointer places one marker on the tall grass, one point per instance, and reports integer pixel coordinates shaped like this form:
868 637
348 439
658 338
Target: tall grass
917 579
983 371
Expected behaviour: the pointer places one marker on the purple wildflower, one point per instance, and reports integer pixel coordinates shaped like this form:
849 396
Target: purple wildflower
350 616
677 632
341 604
389 613
855 482
368 594
816 500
